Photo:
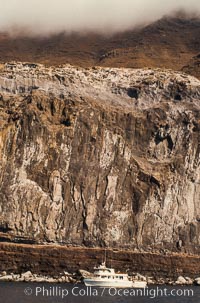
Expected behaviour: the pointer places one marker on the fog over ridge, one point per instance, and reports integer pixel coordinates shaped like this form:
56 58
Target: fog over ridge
51 16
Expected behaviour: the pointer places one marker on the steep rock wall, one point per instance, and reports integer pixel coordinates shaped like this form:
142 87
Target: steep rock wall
100 157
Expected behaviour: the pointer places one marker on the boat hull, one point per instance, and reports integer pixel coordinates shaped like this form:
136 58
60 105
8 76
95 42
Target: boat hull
139 284
108 283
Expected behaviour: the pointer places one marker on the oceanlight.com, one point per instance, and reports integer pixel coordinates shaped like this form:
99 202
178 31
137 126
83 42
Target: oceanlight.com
78 291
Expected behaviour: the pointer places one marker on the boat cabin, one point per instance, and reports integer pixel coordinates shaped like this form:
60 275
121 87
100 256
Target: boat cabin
104 272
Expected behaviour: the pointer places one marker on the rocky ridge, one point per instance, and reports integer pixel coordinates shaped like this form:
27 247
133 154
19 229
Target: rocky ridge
170 42
100 157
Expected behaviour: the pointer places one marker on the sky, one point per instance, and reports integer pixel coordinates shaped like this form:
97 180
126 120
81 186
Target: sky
51 16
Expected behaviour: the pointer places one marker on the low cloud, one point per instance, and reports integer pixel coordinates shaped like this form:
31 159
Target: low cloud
51 16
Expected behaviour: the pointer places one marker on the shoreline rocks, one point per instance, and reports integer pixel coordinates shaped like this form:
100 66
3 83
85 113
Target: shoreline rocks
184 281
73 278
30 277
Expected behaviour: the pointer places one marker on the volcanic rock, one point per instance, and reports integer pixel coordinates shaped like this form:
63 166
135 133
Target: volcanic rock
100 156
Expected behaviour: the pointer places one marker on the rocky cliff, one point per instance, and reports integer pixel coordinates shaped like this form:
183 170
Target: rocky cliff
100 156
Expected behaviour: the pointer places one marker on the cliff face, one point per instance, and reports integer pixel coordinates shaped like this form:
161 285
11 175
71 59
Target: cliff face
100 156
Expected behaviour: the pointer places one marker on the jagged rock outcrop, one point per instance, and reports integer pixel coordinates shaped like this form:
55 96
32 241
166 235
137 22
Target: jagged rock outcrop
100 156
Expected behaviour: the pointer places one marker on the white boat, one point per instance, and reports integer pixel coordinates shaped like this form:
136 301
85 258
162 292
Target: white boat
107 277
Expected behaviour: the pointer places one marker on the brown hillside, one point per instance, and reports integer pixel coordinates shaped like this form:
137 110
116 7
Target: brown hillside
193 67
169 42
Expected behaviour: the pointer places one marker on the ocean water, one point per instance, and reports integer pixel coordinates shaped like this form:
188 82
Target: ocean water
57 293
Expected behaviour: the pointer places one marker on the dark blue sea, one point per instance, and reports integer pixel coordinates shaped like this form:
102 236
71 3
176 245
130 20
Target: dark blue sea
67 293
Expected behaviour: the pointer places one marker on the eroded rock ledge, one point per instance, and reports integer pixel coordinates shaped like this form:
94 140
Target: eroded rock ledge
63 264
100 157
